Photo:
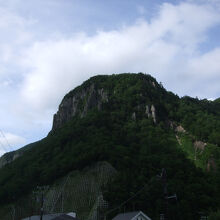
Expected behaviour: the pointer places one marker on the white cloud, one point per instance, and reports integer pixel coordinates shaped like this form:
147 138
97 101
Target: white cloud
15 36
204 71
167 47
206 65
185 24
14 28
141 9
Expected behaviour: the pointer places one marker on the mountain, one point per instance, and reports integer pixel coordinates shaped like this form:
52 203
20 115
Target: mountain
12 155
110 139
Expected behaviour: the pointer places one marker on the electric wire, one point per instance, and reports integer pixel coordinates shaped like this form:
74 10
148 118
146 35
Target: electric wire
2 144
123 203
6 139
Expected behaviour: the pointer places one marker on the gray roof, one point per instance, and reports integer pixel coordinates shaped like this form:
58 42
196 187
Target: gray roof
45 217
128 215
64 217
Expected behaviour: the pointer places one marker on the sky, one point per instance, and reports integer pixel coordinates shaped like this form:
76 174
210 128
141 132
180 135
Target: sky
48 47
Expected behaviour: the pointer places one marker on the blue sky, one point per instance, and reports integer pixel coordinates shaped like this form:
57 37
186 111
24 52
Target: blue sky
47 47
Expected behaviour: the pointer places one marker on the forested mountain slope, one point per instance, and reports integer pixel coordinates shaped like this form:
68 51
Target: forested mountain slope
134 124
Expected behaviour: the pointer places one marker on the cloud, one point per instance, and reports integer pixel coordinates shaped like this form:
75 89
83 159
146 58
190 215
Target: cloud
141 10
205 64
204 71
14 28
15 36
185 24
167 47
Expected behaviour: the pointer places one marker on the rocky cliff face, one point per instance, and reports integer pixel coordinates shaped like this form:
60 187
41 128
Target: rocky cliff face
92 94
79 103
151 112
9 157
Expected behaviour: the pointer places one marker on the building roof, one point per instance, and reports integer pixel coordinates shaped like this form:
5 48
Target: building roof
129 215
58 216
45 217
64 217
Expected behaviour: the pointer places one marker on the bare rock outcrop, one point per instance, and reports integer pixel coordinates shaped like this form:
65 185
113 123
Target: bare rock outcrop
153 110
153 84
180 129
211 165
178 140
150 111
147 111
79 103
9 157
199 145
133 116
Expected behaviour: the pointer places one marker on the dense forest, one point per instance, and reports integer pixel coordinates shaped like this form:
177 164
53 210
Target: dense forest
134 129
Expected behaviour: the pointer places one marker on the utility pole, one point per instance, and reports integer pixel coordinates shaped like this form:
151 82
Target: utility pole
62 201
13 212
164 181
32 203
40 192
163 178
42 206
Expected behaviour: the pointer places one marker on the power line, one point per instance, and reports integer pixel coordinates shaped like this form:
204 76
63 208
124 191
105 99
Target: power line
6 139
60 194
2 144
123 203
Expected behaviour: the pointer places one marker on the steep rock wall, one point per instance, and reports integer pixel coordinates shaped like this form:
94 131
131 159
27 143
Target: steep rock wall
79 104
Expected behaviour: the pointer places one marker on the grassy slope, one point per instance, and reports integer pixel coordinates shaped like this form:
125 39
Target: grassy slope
199 157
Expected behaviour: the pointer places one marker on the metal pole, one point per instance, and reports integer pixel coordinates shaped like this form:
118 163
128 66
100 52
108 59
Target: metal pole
42 206
62 200
13 212
164 181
